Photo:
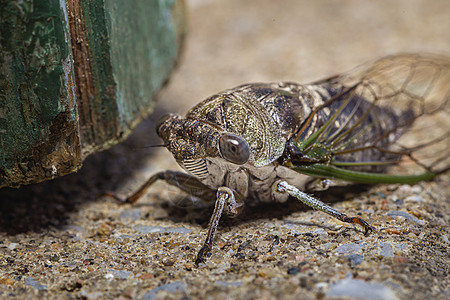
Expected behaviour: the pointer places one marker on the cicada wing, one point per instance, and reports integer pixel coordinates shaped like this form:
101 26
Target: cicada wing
406 81
394 111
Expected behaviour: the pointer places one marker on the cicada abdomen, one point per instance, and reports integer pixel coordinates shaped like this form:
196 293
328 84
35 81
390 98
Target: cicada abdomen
394 111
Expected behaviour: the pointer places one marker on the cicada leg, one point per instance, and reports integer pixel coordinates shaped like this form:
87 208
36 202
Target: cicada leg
184 182
284 187
226 200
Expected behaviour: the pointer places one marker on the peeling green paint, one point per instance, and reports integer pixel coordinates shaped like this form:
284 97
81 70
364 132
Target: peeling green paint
139 70
76 77
34 88
136 46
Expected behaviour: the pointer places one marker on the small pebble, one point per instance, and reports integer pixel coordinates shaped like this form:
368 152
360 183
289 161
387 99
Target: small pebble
356 288
400 259
228 283
397 213
188 266
122 274
12 246
415 198
152 229
33 283
168 261
386 250
411 235
104 230
349 248
266 272
8 281
415 212
145 276
393 231
355 259
176 286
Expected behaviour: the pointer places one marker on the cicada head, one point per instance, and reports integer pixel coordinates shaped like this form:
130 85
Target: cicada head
202 149
188 139
247 126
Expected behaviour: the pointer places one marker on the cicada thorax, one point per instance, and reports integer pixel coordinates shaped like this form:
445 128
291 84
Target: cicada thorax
264 115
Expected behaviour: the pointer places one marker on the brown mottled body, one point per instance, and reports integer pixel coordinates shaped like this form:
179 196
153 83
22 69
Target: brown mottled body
266 116
262 142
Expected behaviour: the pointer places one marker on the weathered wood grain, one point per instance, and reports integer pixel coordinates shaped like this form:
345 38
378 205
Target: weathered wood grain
76 77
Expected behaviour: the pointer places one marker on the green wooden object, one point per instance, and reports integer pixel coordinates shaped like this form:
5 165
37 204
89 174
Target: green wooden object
76 77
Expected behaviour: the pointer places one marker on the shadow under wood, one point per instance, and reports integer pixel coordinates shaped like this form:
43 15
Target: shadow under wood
38 207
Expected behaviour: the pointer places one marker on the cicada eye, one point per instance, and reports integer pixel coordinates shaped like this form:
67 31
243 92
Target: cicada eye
234 149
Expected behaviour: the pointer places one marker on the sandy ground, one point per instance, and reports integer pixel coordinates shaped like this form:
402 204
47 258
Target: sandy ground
58 240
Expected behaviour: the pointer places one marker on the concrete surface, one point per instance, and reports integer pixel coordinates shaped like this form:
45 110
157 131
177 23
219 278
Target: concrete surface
58 240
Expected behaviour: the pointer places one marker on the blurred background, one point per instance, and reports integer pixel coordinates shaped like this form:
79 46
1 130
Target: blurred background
234 42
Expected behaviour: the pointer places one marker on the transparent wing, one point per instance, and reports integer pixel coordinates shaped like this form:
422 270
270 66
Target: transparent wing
394 111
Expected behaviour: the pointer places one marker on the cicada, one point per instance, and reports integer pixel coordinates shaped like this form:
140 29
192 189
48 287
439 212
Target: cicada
386 121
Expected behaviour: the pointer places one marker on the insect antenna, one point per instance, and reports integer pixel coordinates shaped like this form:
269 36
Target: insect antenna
151 146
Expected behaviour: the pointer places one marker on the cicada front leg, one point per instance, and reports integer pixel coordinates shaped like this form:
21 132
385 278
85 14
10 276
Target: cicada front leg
183 181
227 201
284 187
